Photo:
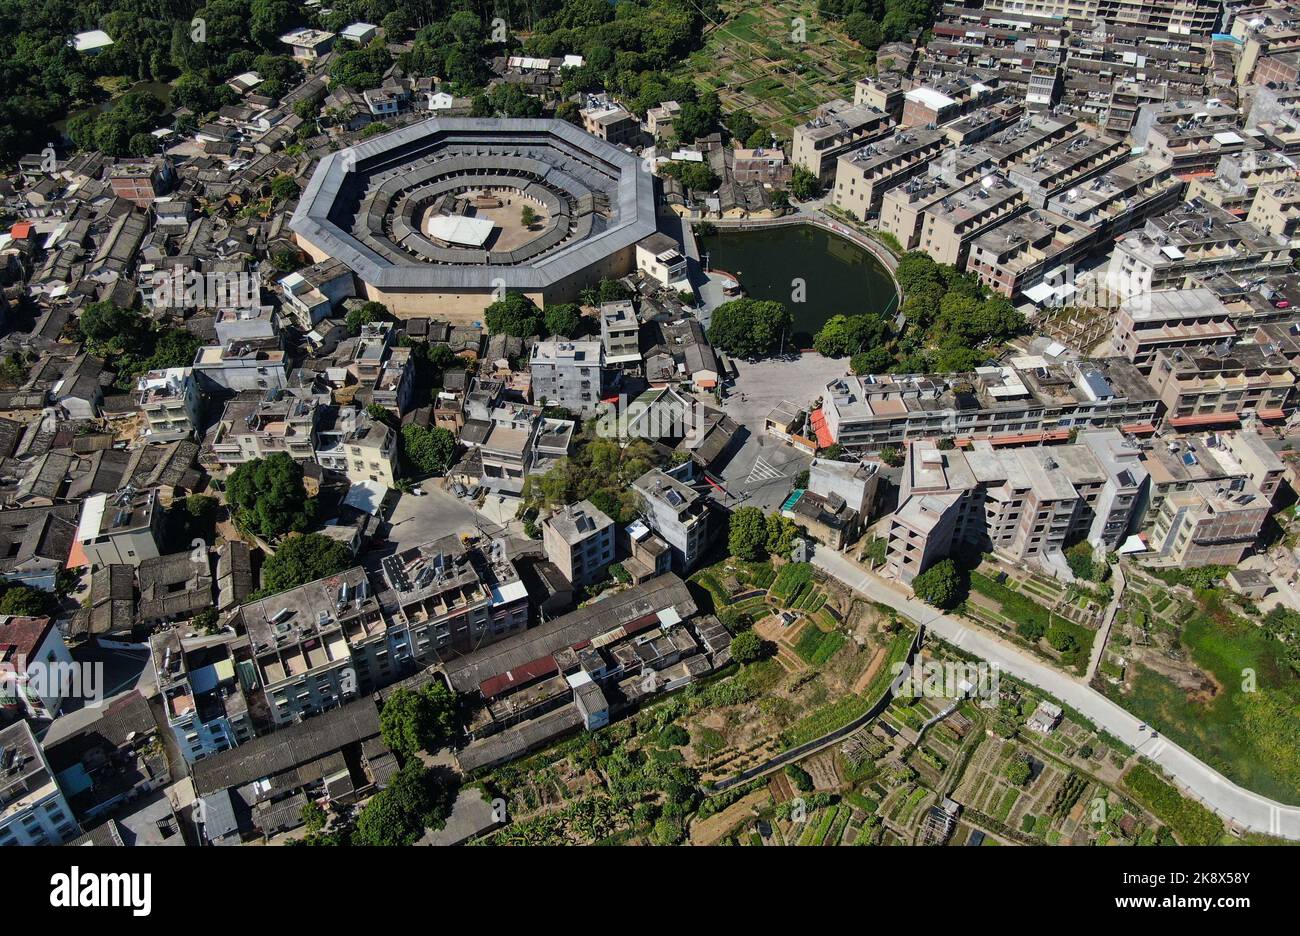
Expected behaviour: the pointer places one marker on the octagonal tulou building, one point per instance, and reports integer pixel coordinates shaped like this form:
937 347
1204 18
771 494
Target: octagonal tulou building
442 217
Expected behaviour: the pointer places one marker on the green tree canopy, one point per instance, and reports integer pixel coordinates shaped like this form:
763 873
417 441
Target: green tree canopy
804 184
747 538
268 496
415 800
843 335
284 187
514 315
781 534
938 585
749 327
302 559
748 647
428 451
563 318
419 720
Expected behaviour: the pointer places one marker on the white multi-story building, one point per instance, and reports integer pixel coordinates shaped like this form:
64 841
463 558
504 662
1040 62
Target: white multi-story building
33 810
205 707
169 401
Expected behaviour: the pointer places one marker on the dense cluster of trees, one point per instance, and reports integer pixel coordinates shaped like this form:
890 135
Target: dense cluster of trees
416 799
132 344
754 537
747 647
268 498
360 67
428 451
599 470
804 184
517 315
871 23
302 559
952 319
364 314
25 601
198 46
845 335
748 327
694 176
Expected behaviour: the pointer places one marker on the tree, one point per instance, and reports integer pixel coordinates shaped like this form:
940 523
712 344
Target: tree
429 451
669 831
528 217
734 620
748 536
313 817
200 506
564 318
268 496
1061 639
425 720
748 647
843 335
14 370
871 361
284 187
804 184
25 601
415 800
891 456
863 30
697 118
102 321
674 736
781 534
938 585
748 327
302 559
364 314
694 176
802 779
1019 769
514 315
360 69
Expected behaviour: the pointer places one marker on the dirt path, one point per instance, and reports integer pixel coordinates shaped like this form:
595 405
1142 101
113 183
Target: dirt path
869 673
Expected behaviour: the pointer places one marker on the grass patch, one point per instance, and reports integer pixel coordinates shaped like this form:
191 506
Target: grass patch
815 646
1251 737
1191 822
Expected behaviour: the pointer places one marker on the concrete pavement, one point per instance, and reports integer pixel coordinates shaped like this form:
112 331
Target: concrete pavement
1248 810
1108 621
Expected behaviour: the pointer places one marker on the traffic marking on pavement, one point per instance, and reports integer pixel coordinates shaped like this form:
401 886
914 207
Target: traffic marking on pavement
762 471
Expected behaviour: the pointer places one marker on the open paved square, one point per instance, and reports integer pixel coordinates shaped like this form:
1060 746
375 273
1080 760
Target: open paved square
762 471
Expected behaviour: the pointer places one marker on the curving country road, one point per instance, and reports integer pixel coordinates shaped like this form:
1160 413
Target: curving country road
1247 810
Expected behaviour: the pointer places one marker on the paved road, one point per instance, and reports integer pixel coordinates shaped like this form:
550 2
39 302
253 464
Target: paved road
1248 810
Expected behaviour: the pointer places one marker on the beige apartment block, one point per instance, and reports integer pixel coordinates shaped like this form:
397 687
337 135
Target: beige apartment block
837 128
1276 211
942 219
1169 318
863 176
